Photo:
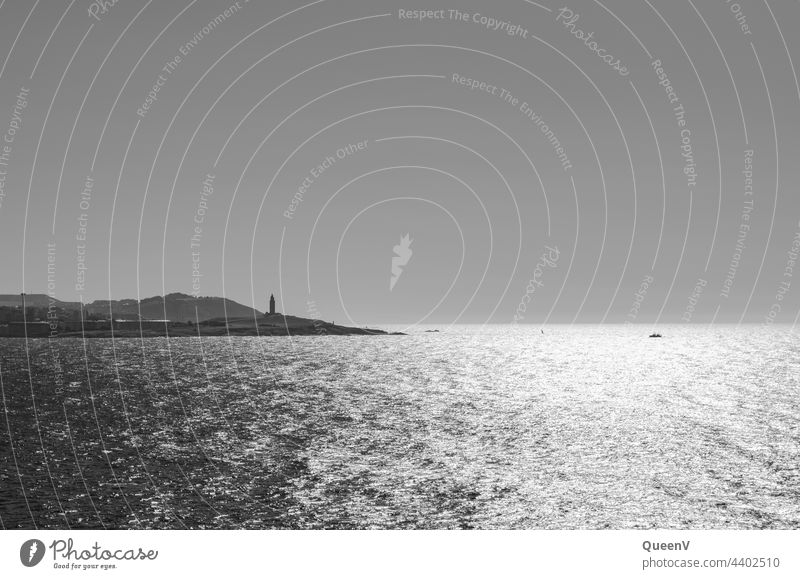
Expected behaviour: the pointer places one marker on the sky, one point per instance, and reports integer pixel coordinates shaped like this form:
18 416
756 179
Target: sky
547 163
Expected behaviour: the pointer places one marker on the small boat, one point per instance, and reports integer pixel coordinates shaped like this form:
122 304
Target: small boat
655 335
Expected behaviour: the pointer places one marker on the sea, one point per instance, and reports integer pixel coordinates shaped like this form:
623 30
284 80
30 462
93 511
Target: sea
467 427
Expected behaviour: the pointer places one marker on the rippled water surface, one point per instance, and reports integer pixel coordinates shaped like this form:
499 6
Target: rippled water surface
493 427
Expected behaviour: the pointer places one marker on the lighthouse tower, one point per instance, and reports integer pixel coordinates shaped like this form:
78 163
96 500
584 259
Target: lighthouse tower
271 304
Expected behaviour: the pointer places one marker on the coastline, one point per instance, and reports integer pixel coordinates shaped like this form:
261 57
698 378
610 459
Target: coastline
269 325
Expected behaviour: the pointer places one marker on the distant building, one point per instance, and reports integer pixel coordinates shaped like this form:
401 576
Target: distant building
271 304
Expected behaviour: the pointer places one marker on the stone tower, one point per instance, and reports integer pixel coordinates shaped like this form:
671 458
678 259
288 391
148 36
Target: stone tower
271 304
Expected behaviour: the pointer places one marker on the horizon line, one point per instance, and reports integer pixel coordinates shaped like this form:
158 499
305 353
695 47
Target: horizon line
408 325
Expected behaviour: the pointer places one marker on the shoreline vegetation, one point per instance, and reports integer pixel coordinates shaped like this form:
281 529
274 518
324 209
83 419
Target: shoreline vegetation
173 315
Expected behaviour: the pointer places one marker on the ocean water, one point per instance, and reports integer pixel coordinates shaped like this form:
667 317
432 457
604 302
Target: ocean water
471 427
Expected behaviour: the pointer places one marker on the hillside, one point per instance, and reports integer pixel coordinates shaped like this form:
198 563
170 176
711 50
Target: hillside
176 307
34 300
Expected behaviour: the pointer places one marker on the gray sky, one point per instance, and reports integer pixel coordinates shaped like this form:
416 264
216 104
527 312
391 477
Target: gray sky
268 91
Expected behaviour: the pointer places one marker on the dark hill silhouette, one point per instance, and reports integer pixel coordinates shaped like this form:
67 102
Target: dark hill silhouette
173 315
176 307
34 300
